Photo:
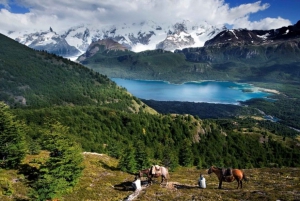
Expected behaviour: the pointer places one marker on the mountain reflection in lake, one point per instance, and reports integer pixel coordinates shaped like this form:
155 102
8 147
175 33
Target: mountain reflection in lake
207 91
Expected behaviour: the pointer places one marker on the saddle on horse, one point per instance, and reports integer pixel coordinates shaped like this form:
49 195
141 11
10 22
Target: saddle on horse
226 172
155 170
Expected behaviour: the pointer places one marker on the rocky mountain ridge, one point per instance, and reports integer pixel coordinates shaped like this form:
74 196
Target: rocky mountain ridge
101 45
48 41
255 37
243 45
137 37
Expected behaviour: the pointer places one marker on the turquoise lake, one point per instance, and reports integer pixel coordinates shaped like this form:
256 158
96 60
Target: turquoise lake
207 91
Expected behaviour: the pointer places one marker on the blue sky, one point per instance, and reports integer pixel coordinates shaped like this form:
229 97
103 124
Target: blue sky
14 8
287 9
41 14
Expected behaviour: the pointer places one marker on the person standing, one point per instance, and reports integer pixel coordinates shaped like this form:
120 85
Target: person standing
201 182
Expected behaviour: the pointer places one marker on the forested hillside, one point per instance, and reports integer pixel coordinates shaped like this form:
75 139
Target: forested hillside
36 79
64 108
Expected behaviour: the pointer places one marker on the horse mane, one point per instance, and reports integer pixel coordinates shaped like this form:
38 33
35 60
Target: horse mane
221 168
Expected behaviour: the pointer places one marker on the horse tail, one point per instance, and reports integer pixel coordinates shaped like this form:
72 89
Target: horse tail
168 176
166 173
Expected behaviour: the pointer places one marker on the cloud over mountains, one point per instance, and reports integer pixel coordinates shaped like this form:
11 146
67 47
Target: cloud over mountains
58 14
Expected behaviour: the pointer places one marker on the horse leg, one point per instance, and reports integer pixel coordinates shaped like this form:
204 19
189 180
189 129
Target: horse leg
149 181
239 183
162 179
220 183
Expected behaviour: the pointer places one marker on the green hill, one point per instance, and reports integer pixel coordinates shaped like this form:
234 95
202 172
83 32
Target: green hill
37 79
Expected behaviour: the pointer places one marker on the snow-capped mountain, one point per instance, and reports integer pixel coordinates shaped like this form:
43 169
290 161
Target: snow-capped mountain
137 37
238 37
185 35
49 41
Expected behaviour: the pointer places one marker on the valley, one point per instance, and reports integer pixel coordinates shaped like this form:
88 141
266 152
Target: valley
241 56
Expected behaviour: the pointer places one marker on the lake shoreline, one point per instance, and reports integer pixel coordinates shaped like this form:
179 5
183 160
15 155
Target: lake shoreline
219 92
273 91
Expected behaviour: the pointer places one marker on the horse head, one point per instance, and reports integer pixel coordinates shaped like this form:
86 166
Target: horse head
140 174
210 170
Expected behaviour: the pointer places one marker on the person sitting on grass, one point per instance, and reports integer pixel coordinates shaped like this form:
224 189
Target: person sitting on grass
201 182
136 184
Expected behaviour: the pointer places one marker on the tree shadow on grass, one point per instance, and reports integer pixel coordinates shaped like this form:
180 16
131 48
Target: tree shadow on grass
124 186
182 186
20 199
104 165
127 186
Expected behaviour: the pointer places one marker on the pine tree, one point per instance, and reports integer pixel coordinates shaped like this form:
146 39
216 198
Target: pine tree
170 159
127 162
12 139
64 167
186 155
34 147
141 156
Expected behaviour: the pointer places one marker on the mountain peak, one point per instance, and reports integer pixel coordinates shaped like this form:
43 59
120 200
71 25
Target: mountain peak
254 37
147 35
102 45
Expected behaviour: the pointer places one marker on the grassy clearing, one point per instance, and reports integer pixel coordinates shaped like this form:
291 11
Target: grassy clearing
102 181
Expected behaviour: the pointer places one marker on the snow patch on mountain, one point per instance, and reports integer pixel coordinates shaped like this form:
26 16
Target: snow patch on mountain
137 37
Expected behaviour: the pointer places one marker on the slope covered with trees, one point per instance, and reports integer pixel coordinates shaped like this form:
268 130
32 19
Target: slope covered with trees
37 79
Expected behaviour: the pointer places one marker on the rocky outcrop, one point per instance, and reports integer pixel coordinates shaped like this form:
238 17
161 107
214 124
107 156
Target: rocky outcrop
101 45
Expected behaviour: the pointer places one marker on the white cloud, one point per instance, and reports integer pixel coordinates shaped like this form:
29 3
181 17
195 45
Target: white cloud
63 14
264 24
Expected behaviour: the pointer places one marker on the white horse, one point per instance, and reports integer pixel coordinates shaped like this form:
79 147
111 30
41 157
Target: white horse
153 172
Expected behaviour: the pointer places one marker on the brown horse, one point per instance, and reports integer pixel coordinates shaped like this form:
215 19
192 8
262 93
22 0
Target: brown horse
163 173
237 175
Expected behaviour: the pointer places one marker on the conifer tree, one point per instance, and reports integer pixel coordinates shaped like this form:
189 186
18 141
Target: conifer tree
186 157
12 139
63 169
170 159
141 156
127 162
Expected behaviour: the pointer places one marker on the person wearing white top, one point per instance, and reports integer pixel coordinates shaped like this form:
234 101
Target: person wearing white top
137 183
201 182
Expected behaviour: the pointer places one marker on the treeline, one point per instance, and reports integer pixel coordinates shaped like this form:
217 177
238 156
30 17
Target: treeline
202 110
221 111
286 109
171 140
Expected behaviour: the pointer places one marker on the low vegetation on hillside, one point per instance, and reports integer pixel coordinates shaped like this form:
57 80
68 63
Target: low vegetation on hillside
102 180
